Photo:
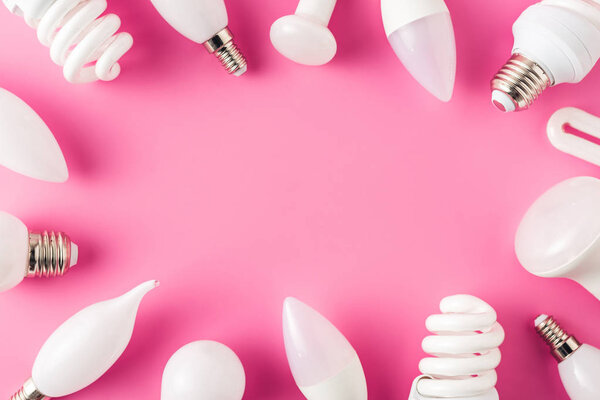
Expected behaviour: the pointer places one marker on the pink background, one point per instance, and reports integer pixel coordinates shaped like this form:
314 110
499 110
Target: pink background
347 186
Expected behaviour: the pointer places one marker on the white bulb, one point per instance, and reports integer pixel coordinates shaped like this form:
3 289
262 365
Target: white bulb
464 346
26 144
422 35
304 37
86 44
559 236
204 21
24 254
324 364
203 370
578 364
556 41
85 346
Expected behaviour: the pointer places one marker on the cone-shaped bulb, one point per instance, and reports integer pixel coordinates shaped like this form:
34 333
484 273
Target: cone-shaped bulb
427 49
323 362
84 347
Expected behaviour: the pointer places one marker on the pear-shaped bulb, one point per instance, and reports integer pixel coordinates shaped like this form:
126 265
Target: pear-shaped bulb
84 347
27 146
203 370
14 244
324 364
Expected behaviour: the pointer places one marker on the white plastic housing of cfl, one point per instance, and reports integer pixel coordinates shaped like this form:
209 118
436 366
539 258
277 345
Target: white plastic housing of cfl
561 40
559 236
304 37
27 145
85 346
203 370
422 35
324 364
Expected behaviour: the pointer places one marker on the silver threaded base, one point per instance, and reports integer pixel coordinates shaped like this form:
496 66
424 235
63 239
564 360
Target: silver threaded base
49 254
561 343
522 80
223 47
28 392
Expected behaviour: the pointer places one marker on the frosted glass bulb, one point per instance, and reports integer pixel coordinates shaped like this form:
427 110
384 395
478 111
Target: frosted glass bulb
323 362
578 364
203 370
464 352
559 236
84 347
556 41
205 21
26 144
31 254
304 37
422 35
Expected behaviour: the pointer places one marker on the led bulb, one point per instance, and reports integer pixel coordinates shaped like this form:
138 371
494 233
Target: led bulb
304 37
203 370
26 144
323 362
205 21
422 35
30 254
559 236
578 364
84 347
556 41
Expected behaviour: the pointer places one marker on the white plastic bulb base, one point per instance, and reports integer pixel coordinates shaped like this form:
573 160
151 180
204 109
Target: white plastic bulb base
559 236
324 364
556 41
84 347
422 36
304 37
27 146
203 370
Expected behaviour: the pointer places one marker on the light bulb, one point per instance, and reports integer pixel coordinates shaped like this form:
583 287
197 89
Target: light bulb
324 364
304 37
422 35
32 254
559 236
205 21
79 39
203 370
27 146
578 364
556 41
464 346
84 347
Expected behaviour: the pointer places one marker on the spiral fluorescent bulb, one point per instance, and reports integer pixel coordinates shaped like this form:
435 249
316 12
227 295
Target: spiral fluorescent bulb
25 254
324 364
205 21
422 35
79 39
84 347
27 145
203 370
464 346
578 364
556 41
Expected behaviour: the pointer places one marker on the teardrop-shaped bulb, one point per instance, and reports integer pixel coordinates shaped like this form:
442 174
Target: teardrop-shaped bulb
203 370
14 248
26 144
427 49
84 347
324 364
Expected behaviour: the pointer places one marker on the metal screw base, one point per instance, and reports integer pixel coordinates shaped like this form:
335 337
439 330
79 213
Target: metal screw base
49 254
28 392
223 47
561 343
522 80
